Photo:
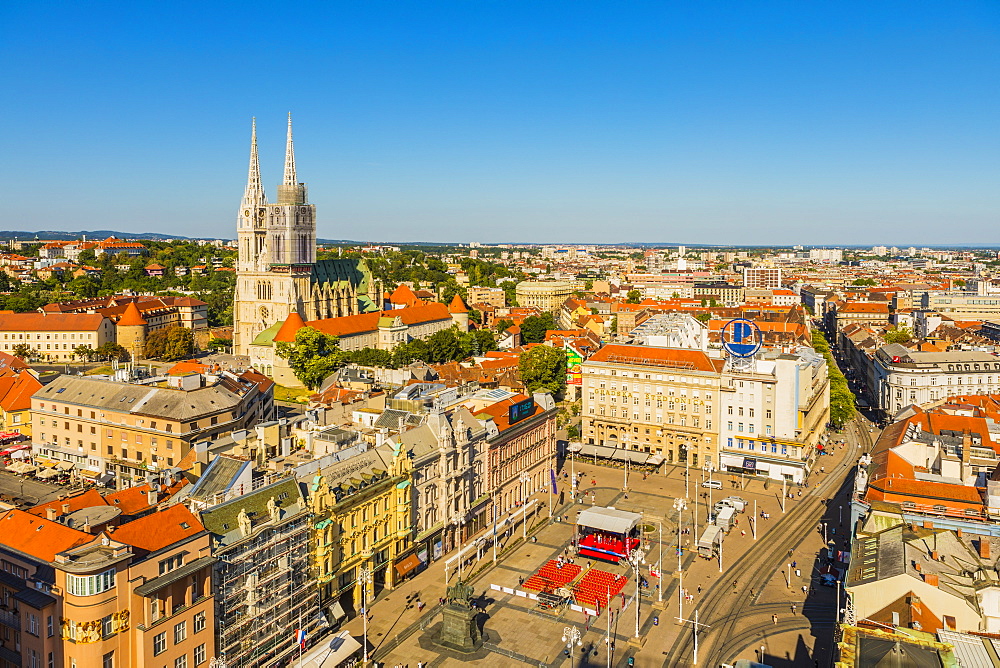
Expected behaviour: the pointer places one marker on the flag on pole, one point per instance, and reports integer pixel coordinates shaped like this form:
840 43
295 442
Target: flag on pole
552 475
300 637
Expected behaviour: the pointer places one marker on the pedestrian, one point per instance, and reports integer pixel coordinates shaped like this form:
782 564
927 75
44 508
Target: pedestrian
793 608
699 589
743 533
774 619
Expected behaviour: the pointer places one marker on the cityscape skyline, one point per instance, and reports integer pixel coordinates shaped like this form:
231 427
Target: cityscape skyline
516 124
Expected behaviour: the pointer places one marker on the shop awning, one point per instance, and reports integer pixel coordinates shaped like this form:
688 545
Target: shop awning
655 460
105 479
616 454
407 565
65 466
15 448
608 519
342 647
47 473
22 468
337 610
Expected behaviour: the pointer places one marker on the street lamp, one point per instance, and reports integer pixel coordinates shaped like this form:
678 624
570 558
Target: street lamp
571 636
365 578
680 505
635 561
524 478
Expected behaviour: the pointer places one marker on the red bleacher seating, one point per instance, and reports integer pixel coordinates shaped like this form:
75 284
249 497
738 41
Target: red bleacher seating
597 587
550 576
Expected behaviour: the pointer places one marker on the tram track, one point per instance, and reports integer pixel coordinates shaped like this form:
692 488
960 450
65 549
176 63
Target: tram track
724 605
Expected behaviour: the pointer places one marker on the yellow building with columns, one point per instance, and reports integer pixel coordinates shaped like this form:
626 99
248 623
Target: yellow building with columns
362 519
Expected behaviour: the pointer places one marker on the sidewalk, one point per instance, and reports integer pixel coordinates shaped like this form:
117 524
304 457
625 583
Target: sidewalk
518 631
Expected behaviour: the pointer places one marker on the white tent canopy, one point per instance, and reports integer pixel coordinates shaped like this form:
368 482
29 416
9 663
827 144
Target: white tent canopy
608 519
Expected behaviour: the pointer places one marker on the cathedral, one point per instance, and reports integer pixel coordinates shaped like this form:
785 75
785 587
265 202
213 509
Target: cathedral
277 271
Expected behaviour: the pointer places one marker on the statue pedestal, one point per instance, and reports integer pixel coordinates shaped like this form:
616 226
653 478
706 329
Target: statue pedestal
459 629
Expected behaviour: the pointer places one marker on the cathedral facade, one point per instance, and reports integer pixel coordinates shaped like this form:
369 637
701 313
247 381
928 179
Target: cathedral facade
277 271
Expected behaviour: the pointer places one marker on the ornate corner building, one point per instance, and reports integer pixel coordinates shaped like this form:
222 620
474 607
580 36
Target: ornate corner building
277 271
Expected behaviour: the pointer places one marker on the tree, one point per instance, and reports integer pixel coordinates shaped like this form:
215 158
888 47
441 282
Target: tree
407 353
371 357
180 343
110 351
85 353
842 406
313 356
864 281
443 346
704 317
633 297
21 350
502 324
534 327
543 368
898 335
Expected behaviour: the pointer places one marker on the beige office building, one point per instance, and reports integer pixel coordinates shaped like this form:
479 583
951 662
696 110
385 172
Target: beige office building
546 295
661 401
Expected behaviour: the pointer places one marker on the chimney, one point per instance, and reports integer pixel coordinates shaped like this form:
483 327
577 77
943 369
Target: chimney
966 446
928 525
934 555
931 579
65 508
86 526
50 513
917 566
958 532
152 496
984 548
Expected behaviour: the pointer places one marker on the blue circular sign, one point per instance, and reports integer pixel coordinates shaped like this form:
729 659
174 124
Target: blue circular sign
741 338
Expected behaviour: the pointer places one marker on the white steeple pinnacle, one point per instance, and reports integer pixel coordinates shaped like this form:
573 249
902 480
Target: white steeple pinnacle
254 195
289 157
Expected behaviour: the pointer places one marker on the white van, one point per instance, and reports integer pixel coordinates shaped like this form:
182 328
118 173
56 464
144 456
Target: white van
712 484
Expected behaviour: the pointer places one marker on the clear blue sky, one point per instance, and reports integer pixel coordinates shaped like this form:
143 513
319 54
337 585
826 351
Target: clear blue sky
693 122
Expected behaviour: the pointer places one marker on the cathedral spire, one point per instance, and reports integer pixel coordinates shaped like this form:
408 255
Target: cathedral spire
289 156
254 195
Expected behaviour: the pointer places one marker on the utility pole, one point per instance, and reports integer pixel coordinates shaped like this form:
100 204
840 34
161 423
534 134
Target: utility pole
694 627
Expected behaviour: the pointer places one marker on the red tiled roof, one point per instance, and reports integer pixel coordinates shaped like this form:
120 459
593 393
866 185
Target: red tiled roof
51 322
38 536
864 307
404 295
293 323
159 530
500 411
188 366
135 500
457 305
16 391
89 499
368 322
680 357
131 317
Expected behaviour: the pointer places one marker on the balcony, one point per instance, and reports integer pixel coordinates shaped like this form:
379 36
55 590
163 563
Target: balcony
11 619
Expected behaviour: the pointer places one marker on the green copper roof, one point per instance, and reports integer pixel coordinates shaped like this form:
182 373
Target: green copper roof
266 338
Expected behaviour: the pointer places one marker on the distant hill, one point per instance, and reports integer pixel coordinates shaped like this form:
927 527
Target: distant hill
91 235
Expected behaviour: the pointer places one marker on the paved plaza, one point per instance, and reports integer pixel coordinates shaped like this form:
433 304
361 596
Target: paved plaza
794 626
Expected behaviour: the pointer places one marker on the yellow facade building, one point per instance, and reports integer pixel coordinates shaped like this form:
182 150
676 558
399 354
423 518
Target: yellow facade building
362 521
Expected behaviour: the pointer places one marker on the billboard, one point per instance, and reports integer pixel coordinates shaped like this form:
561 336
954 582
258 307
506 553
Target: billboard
574 375
521 410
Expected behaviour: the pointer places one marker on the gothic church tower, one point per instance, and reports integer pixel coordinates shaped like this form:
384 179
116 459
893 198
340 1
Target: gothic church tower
276 270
